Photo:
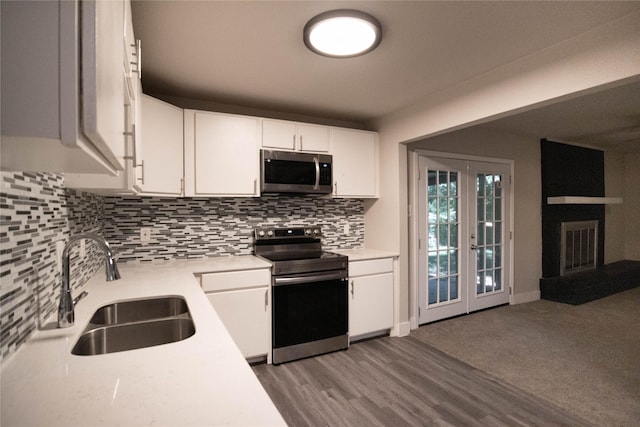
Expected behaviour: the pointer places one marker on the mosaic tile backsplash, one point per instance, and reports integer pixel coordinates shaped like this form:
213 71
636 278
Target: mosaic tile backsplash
201 227
37 211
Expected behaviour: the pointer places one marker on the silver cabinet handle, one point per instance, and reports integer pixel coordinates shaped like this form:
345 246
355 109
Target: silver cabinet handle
266 299
353 290
141 165
135 152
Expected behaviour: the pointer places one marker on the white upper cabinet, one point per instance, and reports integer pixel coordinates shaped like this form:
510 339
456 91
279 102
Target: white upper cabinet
221 154
355 163
132 54
62 86
160 156
123 182
102 75
285 135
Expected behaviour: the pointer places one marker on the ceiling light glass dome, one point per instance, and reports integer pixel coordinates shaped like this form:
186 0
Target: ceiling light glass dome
342 33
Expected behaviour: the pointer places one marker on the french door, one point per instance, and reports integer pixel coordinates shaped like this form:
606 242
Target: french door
464 248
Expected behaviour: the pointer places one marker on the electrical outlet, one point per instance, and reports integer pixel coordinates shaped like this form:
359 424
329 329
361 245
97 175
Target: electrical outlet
347 229
145 234
83 248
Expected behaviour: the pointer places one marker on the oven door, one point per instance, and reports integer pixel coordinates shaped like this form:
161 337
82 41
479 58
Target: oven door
310 315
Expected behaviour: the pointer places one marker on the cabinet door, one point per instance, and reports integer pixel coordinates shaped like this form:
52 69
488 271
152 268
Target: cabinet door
124 181
278 134
313 138
160 155
53 118
102 75
225 155
371 304
355 163
132 54
245 314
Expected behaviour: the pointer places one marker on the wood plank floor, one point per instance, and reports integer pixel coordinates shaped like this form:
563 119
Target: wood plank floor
399 382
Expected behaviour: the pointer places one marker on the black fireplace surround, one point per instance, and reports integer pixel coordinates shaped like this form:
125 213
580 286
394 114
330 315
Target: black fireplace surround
569 170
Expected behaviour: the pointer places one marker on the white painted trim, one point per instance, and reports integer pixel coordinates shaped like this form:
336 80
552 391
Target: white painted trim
401 330
413 237
525 297
468 157
582 200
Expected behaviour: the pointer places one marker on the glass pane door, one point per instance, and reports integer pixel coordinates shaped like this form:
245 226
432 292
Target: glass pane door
442 293
464 244
491 238
443 245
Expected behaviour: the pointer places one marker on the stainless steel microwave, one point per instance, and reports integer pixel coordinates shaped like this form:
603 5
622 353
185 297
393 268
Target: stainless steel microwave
293 172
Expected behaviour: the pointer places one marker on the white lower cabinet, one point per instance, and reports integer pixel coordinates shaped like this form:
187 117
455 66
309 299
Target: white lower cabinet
370 296
241 299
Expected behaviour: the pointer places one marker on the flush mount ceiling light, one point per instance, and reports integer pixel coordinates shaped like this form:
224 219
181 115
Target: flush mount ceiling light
342 33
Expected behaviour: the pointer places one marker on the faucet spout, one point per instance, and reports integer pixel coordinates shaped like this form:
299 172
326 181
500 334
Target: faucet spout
66 312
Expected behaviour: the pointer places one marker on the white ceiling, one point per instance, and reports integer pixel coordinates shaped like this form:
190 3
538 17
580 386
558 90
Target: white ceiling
251 54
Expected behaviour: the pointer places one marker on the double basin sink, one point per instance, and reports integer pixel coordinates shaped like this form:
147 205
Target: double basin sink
134 324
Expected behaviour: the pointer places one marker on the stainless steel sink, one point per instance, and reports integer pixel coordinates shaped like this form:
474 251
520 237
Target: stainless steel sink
139 310
130 325
110 339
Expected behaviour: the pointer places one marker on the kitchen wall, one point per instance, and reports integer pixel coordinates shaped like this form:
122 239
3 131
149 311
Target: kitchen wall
632 206
38 211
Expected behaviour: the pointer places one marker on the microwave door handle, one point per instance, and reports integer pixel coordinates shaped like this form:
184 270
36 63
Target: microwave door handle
317 163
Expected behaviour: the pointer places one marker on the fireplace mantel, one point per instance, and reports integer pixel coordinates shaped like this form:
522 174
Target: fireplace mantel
583 200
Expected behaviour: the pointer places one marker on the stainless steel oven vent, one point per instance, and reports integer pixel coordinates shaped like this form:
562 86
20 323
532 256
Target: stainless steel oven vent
578 246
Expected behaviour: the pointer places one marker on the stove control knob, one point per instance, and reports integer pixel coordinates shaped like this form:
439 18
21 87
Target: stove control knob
270 233
307 231
261 233
316 232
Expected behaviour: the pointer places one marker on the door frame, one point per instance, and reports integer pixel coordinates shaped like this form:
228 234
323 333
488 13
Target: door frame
413 229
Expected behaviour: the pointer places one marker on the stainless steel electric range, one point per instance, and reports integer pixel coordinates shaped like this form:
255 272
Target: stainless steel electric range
309 293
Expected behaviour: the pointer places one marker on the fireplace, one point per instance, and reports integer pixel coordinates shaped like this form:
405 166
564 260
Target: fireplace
578 246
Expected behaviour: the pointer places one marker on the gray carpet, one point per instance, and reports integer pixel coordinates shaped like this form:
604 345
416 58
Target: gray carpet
584 358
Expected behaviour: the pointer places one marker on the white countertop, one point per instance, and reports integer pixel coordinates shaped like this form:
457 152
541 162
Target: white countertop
362 254
202 380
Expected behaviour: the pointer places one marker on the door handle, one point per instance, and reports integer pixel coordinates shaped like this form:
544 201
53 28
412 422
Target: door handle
474 247
317 164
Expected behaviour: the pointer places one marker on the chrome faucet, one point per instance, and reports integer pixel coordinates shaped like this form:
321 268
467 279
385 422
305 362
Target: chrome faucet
66 313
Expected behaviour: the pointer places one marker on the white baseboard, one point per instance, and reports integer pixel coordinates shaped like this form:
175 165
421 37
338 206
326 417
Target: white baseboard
401 329
525 297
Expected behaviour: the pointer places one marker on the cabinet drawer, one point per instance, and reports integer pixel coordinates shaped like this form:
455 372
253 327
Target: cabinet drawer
212 282
373 266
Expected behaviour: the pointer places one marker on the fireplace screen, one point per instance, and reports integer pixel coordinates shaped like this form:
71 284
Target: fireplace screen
579 246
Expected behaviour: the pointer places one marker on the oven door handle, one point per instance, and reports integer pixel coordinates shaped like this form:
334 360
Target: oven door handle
280 281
